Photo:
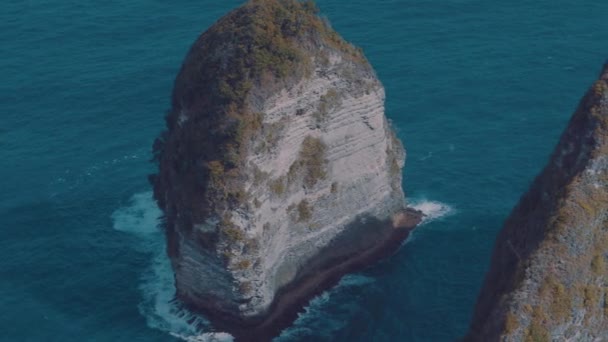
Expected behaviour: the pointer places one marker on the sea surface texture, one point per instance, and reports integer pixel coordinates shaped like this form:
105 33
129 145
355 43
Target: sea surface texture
479 92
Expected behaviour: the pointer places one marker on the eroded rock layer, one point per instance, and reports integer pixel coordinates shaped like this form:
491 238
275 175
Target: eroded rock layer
548 279
276 147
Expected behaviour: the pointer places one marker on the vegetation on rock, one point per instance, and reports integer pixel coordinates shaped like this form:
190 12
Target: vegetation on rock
311 162
277 186
552 249
326 103
260 47
304 211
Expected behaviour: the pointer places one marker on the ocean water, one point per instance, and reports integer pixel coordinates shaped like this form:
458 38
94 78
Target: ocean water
479 91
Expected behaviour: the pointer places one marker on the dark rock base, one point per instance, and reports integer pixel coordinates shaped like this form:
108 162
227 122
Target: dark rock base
363 244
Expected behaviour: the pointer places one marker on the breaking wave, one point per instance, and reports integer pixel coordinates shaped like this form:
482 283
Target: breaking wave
322 317
432 209
141 218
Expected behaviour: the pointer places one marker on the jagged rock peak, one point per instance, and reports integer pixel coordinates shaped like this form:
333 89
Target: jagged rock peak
549 273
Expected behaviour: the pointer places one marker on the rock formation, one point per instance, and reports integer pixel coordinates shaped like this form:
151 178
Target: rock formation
548 278
278 171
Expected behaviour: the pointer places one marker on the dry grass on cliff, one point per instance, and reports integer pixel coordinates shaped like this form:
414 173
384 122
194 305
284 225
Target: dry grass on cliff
511 323
537 332
560 298
558 234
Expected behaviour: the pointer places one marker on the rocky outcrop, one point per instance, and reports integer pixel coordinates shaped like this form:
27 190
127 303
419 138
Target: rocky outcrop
278 165
548 279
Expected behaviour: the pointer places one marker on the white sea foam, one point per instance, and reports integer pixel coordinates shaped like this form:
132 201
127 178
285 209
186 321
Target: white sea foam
432 210
141 218
206 337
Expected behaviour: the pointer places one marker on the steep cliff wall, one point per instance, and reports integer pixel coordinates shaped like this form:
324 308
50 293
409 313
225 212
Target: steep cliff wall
277 146
548 279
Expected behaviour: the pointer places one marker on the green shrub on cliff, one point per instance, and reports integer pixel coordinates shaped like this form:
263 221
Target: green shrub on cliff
304 211
311 162
242 265
263 45
326 103
277 186
511 323
536 331
231 231
598 265
261 40
591 296
216 171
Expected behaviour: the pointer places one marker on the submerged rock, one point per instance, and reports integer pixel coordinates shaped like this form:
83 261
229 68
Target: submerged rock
549 274
278 171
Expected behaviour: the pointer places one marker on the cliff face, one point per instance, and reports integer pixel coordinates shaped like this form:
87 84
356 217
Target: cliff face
548 276
276 145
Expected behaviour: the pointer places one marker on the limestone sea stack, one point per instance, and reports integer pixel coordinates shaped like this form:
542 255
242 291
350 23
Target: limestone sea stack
278 171
548 278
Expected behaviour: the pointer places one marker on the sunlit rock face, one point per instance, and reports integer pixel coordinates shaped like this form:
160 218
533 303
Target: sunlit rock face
276 144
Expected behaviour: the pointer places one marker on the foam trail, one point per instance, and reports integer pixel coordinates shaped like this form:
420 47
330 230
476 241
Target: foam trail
141 218
322 317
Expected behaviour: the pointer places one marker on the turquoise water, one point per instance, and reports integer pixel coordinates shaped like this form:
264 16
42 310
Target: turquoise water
478 90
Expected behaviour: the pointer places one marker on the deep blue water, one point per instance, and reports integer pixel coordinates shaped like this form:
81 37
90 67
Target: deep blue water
478 90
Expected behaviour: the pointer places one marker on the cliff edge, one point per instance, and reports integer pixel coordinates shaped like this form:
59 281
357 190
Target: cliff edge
548 278
278 171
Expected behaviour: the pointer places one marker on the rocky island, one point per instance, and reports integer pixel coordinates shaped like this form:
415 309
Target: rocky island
548 278
278 170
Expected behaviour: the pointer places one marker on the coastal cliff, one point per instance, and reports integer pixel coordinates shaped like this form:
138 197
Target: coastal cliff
278 171
548 278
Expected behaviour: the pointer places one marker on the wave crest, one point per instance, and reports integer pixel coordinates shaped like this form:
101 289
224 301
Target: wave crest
141 218
432 210
322 317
